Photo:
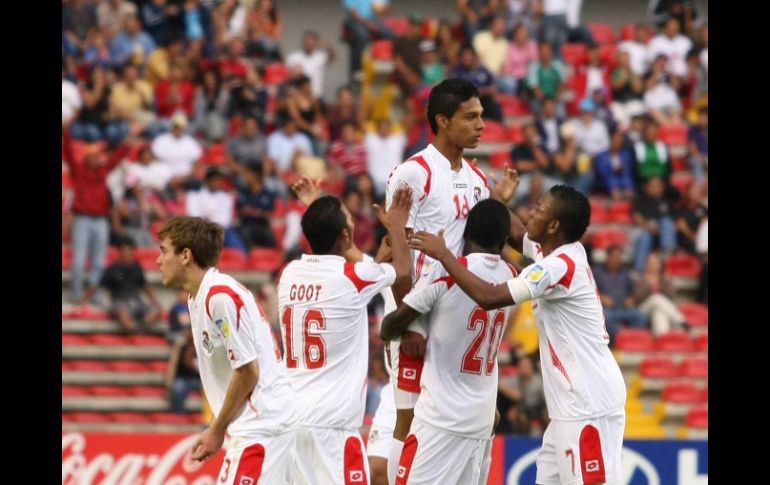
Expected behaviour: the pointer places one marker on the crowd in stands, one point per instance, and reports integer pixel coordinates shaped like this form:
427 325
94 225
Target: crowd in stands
193 107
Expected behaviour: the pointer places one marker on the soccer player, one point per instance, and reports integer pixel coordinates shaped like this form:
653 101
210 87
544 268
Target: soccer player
322 301
584 389
238 357
455 411
445 188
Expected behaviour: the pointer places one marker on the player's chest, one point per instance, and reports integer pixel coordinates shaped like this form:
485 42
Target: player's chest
453 195
209 338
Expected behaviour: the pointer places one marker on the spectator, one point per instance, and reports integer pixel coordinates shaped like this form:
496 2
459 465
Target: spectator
135 213
384 150
614 169
654 293
545 77
691 216
615 287
549 125
363 22
651 155
627 90
175 94
182 375
178 318
698 144
314 56
217 204
571 165
636 49
124 280
470 70
673 45
407 56
248 96
523 392
132 45
286 143
130 104
111 15
305 110
521 53
347 155
591 134
91 207
92 120
255 206
492 46
476 15
178 150
147 172
660 99
363 221
264 31
248 148
211 102
432 68
345 109
530 159
653 214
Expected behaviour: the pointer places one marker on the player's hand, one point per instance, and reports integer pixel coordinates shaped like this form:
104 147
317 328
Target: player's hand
306 190
431 244
505 188
207 444
385 253
413 344
397 215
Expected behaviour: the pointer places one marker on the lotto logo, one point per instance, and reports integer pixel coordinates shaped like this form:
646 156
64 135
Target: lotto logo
592 465
356 476
401 471
246 481
410 374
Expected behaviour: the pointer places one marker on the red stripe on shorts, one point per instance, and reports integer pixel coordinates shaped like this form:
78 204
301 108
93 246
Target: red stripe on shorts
355 472
407 458
250 465
591 459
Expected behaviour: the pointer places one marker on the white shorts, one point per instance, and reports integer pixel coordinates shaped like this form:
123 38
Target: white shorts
405 375
433 457
260 460
329 456
383 424
582 452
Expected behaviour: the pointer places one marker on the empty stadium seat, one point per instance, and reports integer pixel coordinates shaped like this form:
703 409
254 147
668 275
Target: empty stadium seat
659 367
71 339
513 106
673 135
696 314
574 53
89 366
620 212
88 417
109 391
129 366
683 265
674 341
382 50
128 417
169 418
599 213
682 393
147 391
702 342
696 366
494 132
109 339
634 340
265 259
602 33
74 391
158 366
215 155
148 340
515 133
232 260
610 237
697 418
501 159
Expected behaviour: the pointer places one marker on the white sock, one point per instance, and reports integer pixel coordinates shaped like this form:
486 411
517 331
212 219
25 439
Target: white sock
486 462
394 458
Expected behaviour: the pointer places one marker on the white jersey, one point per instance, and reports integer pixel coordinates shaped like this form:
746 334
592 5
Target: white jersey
581 378
458 389
322 302
441 197
229 331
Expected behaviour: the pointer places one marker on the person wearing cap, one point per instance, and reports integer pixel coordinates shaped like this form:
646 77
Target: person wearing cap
432 68
591 134
216 203
177 149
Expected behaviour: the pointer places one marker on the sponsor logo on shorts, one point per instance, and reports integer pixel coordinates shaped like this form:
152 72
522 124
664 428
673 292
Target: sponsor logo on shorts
592 465
356 476
401 471
246 481
410 374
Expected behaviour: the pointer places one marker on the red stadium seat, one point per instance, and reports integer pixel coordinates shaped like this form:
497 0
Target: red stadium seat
634 340
696 366
147 391
674 341
147 258
215 155
608 54
129 418
610 237
673 135
109 391
232 260
382 50
158 366
683 265
574 53
702 342
681 181
399 25
513 105
129 366
620 212
628 31
109 339
602 33
275 73
682 393
659 368
515 133
599 212
501 159
88 417
697 418
71 339
169 418
265 259
66 257
74 391
149 340
494 132
696 314
89 366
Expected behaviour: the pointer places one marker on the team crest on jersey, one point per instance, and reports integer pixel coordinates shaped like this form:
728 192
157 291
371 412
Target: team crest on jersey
536 275
206 342
223 327
476 194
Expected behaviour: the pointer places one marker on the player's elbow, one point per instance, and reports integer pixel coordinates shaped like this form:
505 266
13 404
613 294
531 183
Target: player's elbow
386 328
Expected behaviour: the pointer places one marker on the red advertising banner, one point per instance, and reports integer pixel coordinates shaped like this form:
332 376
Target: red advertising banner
134 459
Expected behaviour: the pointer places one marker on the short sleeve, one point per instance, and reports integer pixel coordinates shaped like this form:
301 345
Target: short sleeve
412 174
239 334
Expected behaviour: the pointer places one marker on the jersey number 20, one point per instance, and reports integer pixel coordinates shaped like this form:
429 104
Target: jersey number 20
492 334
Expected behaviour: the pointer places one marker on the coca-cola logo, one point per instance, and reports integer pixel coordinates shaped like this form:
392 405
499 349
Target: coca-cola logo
114 459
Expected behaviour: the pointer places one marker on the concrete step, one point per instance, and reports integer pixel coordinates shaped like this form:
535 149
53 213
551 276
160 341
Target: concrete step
77 378
115 352
125 403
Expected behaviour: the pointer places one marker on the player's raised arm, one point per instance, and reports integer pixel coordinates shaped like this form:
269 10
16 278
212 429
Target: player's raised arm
487 295
395 220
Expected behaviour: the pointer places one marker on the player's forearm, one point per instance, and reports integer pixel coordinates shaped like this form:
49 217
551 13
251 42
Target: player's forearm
516 235
241 385
488 296
402 263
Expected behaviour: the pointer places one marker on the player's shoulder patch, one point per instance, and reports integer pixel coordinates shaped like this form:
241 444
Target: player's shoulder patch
536 274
